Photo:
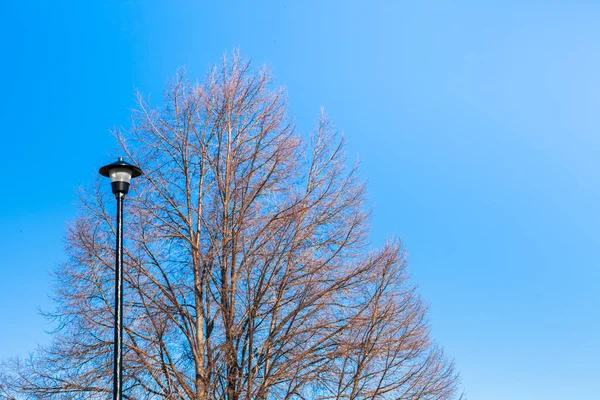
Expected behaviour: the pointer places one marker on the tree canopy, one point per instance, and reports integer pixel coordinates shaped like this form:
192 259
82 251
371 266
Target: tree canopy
249 273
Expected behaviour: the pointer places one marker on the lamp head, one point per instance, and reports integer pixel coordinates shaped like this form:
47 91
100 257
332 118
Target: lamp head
120 174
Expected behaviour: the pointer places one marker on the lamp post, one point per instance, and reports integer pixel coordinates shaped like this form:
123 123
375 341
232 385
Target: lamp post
120 174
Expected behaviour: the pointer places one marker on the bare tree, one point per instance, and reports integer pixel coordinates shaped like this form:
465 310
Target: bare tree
249 273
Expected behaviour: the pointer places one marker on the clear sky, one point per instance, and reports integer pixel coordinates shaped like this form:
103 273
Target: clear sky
477 125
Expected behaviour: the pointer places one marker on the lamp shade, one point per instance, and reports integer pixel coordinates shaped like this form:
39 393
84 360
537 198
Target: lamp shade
120 174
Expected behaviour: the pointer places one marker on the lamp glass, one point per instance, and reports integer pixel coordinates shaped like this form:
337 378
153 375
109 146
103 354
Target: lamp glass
120 174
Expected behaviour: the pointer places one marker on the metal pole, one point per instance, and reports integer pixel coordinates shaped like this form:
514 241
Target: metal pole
118 343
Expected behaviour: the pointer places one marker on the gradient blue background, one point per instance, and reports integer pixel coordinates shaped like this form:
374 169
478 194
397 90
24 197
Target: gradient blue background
477 126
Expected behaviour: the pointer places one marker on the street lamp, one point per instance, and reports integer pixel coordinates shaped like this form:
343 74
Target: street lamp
120 174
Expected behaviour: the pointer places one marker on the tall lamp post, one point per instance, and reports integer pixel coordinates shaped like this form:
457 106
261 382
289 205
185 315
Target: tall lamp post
120 174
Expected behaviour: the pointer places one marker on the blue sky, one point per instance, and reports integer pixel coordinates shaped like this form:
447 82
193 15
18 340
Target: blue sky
476 124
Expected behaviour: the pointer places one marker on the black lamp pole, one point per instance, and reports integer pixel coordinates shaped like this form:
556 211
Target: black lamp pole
120 174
